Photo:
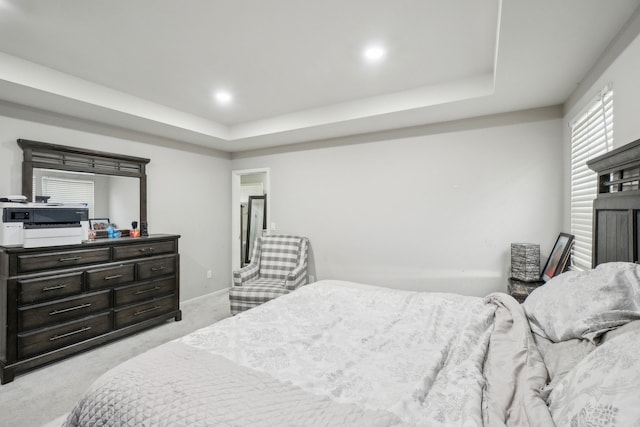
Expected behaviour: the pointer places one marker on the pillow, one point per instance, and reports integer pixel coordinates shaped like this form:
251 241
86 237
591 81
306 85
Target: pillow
631 326
585 304
561 357
603 389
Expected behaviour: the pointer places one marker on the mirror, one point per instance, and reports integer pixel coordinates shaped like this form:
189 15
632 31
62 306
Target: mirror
116 198
256 222
113 186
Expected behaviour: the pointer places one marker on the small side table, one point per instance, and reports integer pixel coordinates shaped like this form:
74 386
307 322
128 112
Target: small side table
520 290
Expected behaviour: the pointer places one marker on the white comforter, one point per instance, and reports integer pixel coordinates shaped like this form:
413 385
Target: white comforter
405 357
418 355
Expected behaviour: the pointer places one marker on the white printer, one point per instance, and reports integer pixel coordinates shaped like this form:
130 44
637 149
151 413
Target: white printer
34 225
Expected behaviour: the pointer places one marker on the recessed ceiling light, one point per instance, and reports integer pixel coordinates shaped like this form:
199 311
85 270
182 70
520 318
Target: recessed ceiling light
374 53
223 97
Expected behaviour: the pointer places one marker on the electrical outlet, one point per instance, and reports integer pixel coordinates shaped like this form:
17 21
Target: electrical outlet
209 274
312 279
273 226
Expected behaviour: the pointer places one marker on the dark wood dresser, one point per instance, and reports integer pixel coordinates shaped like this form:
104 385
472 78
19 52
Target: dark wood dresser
58 301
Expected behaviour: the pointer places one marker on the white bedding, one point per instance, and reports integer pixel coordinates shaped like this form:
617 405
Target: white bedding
423 359
417 355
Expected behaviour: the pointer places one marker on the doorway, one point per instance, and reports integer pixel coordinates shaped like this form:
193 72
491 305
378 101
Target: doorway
244 184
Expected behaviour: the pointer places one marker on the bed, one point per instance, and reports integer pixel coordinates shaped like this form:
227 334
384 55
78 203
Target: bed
333 353
338 353
343 354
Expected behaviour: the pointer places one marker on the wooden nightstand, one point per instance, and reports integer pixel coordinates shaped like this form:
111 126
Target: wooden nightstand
520 290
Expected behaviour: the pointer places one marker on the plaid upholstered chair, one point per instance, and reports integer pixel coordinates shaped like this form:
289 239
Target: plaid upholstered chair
278 266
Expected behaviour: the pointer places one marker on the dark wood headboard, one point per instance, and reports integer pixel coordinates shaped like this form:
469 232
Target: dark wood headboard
616 209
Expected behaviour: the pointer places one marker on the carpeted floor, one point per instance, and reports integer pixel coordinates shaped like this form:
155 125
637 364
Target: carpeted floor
43 397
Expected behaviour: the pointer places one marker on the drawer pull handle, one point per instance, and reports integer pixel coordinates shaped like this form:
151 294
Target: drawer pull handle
162 267
144 291
154 308
53 288
143 250
71 258
66 310
68 334
115 276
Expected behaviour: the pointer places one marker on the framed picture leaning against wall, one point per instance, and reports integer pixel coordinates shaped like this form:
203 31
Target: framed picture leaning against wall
559 259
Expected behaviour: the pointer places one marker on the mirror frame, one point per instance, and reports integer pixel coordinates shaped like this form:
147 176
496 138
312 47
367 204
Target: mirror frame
258 232
60 157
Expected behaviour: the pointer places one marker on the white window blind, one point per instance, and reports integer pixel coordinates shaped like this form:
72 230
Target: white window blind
591 136
65 190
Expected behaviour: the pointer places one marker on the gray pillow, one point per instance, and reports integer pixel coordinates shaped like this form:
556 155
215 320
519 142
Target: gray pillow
602 390
561 357
585 304
631 326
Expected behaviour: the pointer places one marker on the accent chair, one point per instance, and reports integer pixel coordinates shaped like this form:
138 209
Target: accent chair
278 266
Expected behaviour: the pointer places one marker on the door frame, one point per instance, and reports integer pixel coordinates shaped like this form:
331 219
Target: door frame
236 235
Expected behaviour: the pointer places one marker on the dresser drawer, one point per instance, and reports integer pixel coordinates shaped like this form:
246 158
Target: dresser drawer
145 249
35 316
111 276
141 312
50 287
33 343
37 262
156 267
144 291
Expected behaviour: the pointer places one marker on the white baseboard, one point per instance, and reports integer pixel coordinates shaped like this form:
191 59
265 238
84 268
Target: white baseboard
210 294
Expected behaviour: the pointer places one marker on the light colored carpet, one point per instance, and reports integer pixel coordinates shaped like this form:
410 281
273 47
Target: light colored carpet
44 396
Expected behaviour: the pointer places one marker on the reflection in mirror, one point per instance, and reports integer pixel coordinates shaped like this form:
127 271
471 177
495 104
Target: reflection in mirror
106 196
256 222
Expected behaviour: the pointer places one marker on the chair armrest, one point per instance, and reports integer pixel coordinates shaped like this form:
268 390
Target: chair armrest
246 274
296 278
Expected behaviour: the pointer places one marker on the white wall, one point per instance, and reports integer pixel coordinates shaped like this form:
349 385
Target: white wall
188 193
623 75
101 197
429 208
423 209
121 214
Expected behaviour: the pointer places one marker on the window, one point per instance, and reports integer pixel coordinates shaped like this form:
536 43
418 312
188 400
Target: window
66 190
591 136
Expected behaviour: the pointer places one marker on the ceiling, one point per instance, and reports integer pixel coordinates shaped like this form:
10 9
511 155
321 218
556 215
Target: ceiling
295 67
